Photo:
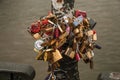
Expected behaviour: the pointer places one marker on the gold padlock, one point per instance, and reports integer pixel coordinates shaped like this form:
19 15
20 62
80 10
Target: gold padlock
79 35
36 36
70 53
64 35
90 33
60 42
76 31
46 56
39 55
56 56
74 47
52 41
86 22
83 46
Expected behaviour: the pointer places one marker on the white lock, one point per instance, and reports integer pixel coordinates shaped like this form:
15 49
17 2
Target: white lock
37 44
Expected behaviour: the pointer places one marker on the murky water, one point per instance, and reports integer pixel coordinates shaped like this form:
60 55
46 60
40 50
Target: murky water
16 45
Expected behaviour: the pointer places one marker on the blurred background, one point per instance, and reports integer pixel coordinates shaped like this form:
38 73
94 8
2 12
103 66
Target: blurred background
16 44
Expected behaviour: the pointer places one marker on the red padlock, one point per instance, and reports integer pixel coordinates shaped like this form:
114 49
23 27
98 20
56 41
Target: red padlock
44 22
77 56
56 33
35 27
79 13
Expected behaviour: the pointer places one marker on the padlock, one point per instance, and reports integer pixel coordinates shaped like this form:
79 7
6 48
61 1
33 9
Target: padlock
39 55
86 22
35 28
64 35
79 13
36 36
67 51
83 46
89 55
92 23
46 56
66 19
74 44
76 31
50 56
60 43
86 59
56 33
68 29
90 32
53 41
38 43
44 22
94 37
70 53
77 57
80 35
78 21
56 56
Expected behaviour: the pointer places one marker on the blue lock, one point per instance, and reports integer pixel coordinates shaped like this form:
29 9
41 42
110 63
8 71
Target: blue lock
78 20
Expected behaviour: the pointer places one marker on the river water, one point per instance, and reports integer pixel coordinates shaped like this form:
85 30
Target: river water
16 45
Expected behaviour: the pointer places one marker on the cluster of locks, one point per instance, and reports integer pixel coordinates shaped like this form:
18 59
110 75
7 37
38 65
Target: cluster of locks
70 34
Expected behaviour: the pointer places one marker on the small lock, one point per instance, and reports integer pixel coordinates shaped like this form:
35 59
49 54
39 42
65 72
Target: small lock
38 44
52 41
86 22
64 35
92 23
36 36
68 29
90 33
56 33
44 22
76 31
35 28
56 56
66 19
83 46
94 37
78 21
74 44
39 55
70 53
60 42
89 55
77 56
46 56
79 12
